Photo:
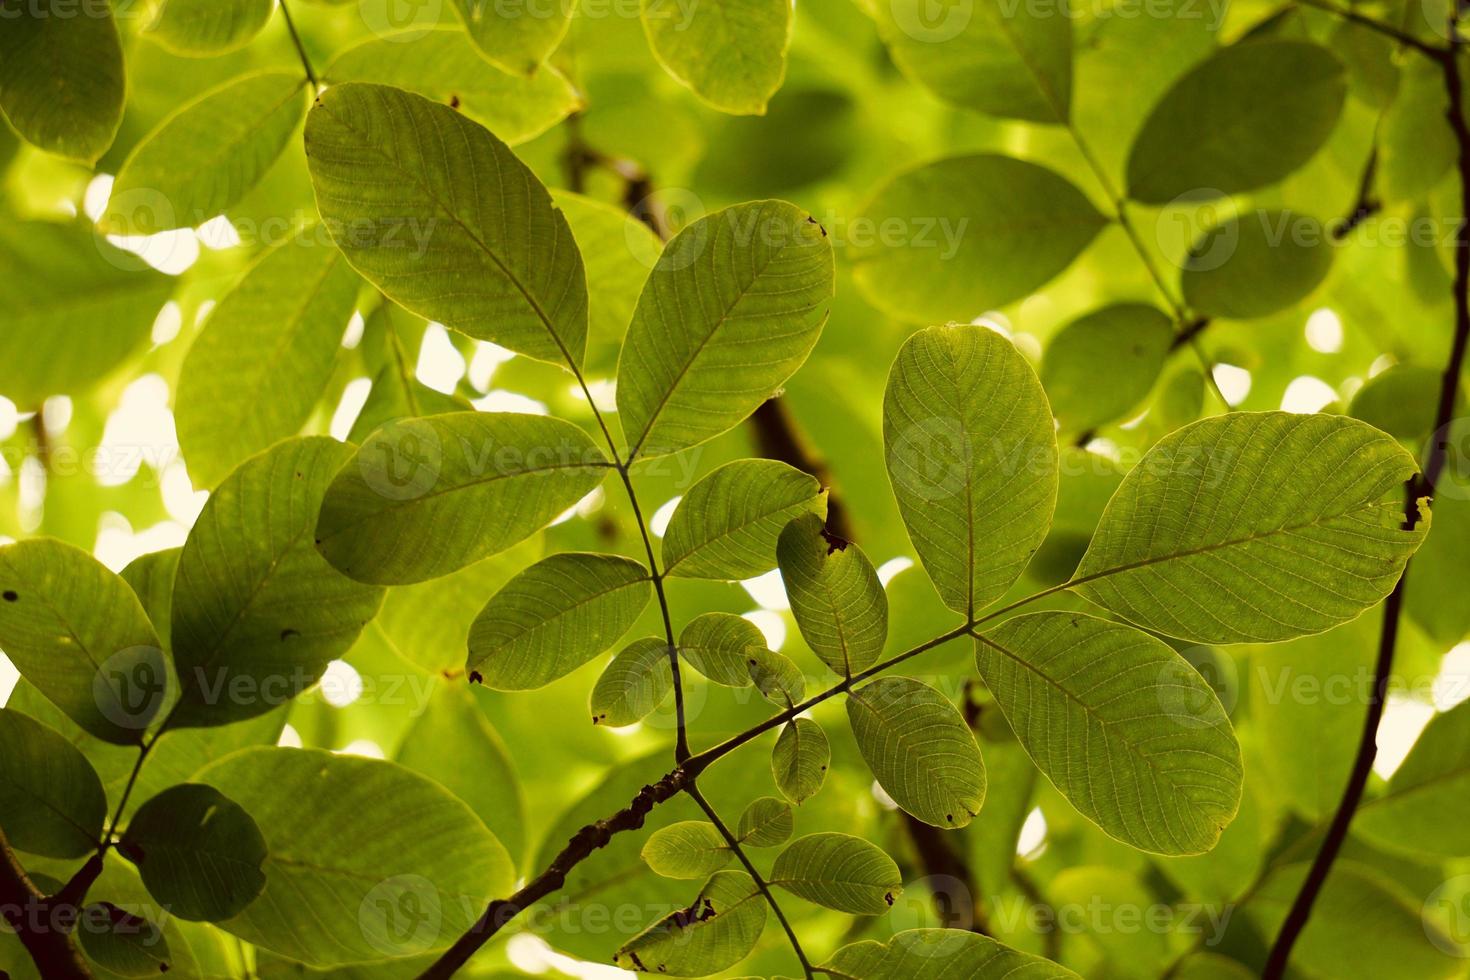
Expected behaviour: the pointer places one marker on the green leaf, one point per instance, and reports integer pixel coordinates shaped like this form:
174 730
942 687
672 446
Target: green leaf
1244 119
257 613
635 682
718 645
920 749
1254 527
454 744
799 760
1418 811
971 451
1126 342
514 37
838 871
618 251
426 497
409 878
1365 925
78 633
935 954
778 678
289 312
75 308
444 66
437 212
199 852
835 595
766 822
730 53
208 27
731 310
1122 725
687 849
123 944
718 929
206 156
51 801
967 234
1011 61
1256 265
151 577
61 79
727 525
554 617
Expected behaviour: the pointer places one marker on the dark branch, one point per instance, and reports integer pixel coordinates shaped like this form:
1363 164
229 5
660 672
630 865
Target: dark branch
1367 203
1301 909
35 920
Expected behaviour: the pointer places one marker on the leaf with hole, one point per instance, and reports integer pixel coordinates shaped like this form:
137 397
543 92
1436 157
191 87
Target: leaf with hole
840 872
718 645
718 929
634 683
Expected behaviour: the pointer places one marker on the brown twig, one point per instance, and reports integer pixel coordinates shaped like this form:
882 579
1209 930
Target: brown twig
34 918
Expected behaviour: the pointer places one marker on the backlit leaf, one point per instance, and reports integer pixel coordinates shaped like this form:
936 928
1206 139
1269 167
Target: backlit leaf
732 53
51 801
972 454
208 27
920 749
1121 724
936 954
437 212
835 595
726 526
731 310
1417 811
718 645
61 78
1254 527
635 683
516 37
838 871
800 758
1126 343
1256 264
554 617
687 849
766 822
718 929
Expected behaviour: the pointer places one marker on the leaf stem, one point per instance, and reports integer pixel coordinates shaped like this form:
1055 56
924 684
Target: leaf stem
122 802
1437 455
760 882
300 48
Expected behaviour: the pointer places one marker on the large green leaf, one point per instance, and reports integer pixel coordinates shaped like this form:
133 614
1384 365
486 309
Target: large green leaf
939 954
78 633
1254 527
1241 120
1127 343
207 155
971 451
554 617
920 749
635 682
257 612
687 849
515 37
766 822
198 851
1121 724
437 212
1008 60
61 78
75 307
287 315
719 646
835 595
123 944
731 53
718 930
731 310
967 234
454 744
51 801
444 65
799 759
1419 810
209 27
838 871
426 497
726 526
406 866
1256 265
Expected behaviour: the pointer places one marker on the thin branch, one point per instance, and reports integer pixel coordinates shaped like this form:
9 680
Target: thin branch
1301 908
300 48
1373 24
755 875
128 787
